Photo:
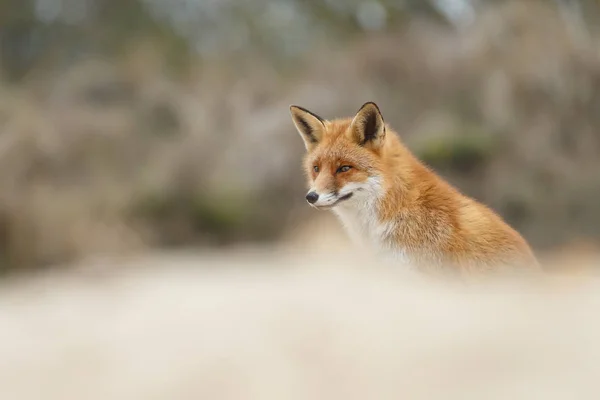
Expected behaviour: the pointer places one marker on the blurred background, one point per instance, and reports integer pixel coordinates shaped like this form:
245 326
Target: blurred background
142 139
142 125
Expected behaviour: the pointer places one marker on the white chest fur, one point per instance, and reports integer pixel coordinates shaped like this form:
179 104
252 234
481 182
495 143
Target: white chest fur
364 227
360 217
360 223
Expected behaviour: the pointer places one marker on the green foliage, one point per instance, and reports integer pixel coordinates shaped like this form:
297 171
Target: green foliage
462 152
181 216
27 42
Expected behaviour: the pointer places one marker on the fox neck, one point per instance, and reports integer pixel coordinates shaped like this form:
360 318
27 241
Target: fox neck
361 219
372 219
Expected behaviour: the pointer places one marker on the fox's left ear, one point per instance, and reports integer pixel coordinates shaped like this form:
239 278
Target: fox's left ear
367 127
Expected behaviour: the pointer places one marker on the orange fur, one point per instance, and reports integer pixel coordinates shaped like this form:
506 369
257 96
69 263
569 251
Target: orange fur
396 203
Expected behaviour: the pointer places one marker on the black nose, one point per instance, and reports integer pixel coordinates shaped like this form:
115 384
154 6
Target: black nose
312 197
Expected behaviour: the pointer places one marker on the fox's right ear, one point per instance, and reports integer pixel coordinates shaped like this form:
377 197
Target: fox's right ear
309 125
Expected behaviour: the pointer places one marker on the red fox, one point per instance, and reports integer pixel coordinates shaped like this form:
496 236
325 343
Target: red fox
390 201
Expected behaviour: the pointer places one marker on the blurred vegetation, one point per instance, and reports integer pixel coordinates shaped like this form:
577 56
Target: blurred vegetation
150 123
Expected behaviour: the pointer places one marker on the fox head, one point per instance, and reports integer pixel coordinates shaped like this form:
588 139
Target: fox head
343 162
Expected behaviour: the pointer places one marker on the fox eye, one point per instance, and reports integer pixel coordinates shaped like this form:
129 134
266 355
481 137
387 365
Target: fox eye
344 168
316 168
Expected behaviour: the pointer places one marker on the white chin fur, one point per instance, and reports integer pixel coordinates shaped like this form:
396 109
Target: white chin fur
369 190
325 200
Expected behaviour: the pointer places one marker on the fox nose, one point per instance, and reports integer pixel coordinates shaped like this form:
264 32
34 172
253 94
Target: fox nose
312 197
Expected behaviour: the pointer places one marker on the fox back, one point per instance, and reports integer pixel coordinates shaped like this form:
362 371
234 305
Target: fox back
390 201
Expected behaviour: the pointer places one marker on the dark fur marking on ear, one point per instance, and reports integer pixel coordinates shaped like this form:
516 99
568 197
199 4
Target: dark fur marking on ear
371 127
308 131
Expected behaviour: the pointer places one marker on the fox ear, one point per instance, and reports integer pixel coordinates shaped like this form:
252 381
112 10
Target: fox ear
367 127
309 125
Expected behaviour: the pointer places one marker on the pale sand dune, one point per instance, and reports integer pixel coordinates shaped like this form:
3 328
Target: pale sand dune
249 328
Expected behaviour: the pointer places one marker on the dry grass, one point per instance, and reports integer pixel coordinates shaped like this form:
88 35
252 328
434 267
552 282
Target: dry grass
272 325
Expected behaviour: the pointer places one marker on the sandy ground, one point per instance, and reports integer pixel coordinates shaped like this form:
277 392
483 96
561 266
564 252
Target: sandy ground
283 324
